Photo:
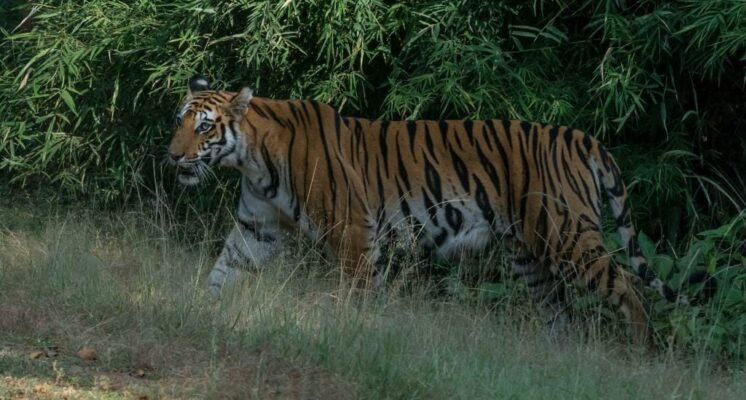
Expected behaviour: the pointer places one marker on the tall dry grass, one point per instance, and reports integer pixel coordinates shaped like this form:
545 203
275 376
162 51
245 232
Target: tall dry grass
123 284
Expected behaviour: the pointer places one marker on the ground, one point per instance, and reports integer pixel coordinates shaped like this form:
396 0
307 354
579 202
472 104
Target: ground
131 286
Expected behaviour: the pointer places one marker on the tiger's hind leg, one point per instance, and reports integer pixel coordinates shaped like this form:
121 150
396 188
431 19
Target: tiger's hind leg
545 290
591 266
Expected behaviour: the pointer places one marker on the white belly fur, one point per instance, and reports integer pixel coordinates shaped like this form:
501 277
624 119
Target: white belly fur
475 233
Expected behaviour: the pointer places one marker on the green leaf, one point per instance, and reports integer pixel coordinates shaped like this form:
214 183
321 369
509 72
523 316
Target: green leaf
663 264
647 245
65 95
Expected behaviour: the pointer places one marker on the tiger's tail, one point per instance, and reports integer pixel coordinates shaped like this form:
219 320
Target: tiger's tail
609 175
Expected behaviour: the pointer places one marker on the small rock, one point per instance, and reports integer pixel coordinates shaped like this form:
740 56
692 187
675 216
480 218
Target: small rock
38 354
88 354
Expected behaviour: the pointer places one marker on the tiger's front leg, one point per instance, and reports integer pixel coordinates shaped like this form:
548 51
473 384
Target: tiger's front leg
255 240
248 245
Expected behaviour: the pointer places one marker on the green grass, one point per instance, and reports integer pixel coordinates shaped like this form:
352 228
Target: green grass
127 286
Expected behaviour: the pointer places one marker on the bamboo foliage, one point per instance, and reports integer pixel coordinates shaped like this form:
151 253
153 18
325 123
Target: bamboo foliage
87 87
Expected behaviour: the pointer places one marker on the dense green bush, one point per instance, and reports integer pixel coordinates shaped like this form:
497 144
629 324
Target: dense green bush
87 88
718 325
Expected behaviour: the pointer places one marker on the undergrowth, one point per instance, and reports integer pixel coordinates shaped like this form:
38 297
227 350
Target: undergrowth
132 285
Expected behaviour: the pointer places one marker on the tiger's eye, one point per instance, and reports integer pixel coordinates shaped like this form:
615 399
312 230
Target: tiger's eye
204 127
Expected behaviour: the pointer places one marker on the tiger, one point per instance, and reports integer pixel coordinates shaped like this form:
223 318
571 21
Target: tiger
462 185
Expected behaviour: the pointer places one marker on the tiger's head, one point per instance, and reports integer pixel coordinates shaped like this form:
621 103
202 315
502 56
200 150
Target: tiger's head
203 132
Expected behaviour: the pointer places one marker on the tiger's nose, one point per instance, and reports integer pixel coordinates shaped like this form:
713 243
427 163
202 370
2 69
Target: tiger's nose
176 157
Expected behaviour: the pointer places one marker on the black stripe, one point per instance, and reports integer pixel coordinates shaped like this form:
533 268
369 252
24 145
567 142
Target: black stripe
291 182
633 248
430 207
258 110
618 189
402 169
432 179
306 115
469 128
526 176
490 169
461 170
270 191
404 206
582 156
360 141
381 192
553 134
412 130
455 217
295 112
441 238
309 169
443 127
542 226
275 118
330 171
526 128
343 172
548 187
571 178
366 166
252 228
568 138
483 201
429 143
486 139
352 127
506 168
550 182
384 145
587 143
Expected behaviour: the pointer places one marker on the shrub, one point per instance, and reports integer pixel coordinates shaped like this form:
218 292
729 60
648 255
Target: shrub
88 87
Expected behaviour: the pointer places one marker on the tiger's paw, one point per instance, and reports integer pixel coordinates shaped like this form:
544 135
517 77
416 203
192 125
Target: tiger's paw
214 291
221 277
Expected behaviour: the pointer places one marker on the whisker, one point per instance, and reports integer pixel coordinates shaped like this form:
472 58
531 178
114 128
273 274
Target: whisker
203 170
211 172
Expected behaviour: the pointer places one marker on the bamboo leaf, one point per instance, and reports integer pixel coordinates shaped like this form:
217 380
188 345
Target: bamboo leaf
65 95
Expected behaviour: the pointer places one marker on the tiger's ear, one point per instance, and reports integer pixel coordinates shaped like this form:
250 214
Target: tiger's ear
197 83
240 103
